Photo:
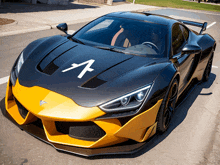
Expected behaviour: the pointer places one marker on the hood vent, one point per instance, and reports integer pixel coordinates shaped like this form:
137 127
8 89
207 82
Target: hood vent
47 65
93 83
50 69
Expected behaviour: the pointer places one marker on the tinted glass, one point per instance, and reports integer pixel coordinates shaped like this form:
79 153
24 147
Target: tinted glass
185 32
177 39
131 36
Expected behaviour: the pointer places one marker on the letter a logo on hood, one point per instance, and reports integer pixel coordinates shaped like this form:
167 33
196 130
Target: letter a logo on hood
87 68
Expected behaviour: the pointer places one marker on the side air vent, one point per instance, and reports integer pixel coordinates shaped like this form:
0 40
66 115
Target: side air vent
93 83
22 110
80 130
38 123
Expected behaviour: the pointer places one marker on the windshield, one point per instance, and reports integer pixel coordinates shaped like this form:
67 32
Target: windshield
126 36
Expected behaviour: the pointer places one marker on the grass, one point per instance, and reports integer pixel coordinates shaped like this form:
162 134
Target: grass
179 4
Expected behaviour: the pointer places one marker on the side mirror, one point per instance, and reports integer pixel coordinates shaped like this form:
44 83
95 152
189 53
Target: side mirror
191 49
203 27
63 27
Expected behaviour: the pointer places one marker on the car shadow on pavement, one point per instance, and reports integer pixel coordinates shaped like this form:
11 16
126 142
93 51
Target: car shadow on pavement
9 7
178 117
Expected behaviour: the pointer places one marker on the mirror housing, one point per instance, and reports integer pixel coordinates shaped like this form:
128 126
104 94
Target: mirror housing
63 27
191 49
203 27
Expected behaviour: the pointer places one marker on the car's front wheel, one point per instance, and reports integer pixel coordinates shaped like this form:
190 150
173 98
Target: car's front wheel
167 107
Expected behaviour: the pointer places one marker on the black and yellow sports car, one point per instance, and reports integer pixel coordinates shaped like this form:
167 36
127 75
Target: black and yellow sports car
110 86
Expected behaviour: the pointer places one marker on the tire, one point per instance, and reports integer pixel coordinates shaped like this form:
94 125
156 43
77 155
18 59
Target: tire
167 107
207 70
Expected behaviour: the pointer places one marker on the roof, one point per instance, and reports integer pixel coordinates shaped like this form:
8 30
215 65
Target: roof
145 16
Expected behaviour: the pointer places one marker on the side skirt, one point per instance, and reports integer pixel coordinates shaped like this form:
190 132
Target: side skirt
193 84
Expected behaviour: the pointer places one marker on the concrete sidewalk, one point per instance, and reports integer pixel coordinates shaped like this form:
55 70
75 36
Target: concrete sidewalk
40 17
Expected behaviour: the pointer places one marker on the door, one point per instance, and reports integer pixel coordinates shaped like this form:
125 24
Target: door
184 63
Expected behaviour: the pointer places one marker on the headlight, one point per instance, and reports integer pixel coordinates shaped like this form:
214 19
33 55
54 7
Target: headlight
16 69
129 101
20 63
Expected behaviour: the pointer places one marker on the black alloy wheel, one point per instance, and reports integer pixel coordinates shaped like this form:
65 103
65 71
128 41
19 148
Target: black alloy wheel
167 108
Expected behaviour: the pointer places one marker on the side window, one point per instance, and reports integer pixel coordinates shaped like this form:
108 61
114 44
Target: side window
185 32
178 40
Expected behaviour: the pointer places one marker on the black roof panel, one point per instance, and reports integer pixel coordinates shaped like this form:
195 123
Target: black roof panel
142 16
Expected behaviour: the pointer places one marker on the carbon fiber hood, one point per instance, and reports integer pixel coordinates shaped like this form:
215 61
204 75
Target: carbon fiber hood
57 63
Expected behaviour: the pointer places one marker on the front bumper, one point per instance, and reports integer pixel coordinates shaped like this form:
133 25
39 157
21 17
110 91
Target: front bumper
59 108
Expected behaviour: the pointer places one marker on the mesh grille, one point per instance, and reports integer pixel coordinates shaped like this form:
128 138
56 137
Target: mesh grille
80 130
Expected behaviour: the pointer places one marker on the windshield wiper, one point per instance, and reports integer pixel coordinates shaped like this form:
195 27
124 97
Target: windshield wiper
134 54
76 40
118 50
103 47
110 49
125 52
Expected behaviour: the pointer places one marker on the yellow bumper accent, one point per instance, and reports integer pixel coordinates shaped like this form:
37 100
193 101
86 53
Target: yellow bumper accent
109 126
136 128
63 109
57 108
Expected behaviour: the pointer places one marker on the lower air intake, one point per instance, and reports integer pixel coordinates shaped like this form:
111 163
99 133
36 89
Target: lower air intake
22 110
88 131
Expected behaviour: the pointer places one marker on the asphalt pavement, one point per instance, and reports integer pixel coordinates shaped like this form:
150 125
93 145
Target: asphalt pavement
193 137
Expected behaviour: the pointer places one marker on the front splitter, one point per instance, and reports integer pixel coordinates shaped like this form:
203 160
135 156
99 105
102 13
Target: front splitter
129 147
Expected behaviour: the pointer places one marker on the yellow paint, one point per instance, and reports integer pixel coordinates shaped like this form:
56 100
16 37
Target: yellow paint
136 127
110 126
109 139
58 107
150 132
12 108
8 95
61 108
54 136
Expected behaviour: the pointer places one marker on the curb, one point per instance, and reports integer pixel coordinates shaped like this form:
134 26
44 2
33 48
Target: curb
53 26
46 27
3 34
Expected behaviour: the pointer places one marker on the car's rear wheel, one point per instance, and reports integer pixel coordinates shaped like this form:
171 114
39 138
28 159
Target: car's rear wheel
207 70
167 107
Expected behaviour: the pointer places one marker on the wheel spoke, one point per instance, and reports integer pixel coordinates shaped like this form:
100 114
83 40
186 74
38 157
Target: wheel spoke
173 93
173 98
170 104
168 115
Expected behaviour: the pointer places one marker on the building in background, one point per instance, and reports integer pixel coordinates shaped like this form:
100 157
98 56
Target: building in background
63 2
